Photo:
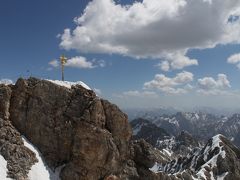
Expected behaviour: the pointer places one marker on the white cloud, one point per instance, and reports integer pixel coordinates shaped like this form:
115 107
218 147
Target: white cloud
54 63
210 86
164 65
234 59
170 85
176 60
6 81
154 28
79 62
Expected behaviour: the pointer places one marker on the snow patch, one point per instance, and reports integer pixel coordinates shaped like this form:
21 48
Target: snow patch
3 169
6 81
155 168
213 161
40 171
167 152
68 84
137 129
221 177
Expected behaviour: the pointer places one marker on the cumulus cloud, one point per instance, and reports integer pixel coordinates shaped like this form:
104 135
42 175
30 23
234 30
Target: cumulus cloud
154 28
176 60
175 85
54 63
209 85
79 62
6 81
234 59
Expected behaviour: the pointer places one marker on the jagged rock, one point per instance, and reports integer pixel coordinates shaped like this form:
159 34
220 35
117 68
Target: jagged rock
144 129
19 158
5 95
144 154
71 126
219 158
186 139
184 144
117 124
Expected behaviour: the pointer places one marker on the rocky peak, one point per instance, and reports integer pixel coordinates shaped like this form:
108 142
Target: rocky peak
69 126
186 139
219 158
144 129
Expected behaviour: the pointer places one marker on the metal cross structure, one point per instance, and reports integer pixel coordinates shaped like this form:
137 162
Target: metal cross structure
63 61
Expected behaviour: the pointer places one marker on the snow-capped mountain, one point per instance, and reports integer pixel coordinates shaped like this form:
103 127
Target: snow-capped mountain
218 159
200 125
147 130
149 113
169 145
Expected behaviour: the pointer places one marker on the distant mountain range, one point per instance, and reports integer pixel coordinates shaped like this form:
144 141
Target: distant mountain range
201 126
187 154
147 113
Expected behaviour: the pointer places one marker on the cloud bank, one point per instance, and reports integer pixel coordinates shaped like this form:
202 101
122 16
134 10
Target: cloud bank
157 29
210 86
176 85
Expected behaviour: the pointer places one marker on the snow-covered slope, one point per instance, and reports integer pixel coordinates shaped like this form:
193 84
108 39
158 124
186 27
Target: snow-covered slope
216 161
6 81
40 171
3 169
68 84
200 125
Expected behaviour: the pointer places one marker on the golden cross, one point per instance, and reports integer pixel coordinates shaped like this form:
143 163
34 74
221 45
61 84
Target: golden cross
63 61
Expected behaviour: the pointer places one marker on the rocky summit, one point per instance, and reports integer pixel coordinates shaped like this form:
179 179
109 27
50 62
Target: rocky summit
52 131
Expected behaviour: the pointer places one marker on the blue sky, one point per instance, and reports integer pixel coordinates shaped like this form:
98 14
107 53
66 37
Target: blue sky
146 53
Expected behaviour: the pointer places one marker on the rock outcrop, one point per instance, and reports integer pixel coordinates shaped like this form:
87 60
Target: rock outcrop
19 158
72 127
144 129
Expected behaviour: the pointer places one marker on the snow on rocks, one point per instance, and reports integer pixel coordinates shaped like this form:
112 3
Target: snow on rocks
212 162
6 81
40 171
215 144
137 129
3 169
155 168
68 84
221 177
